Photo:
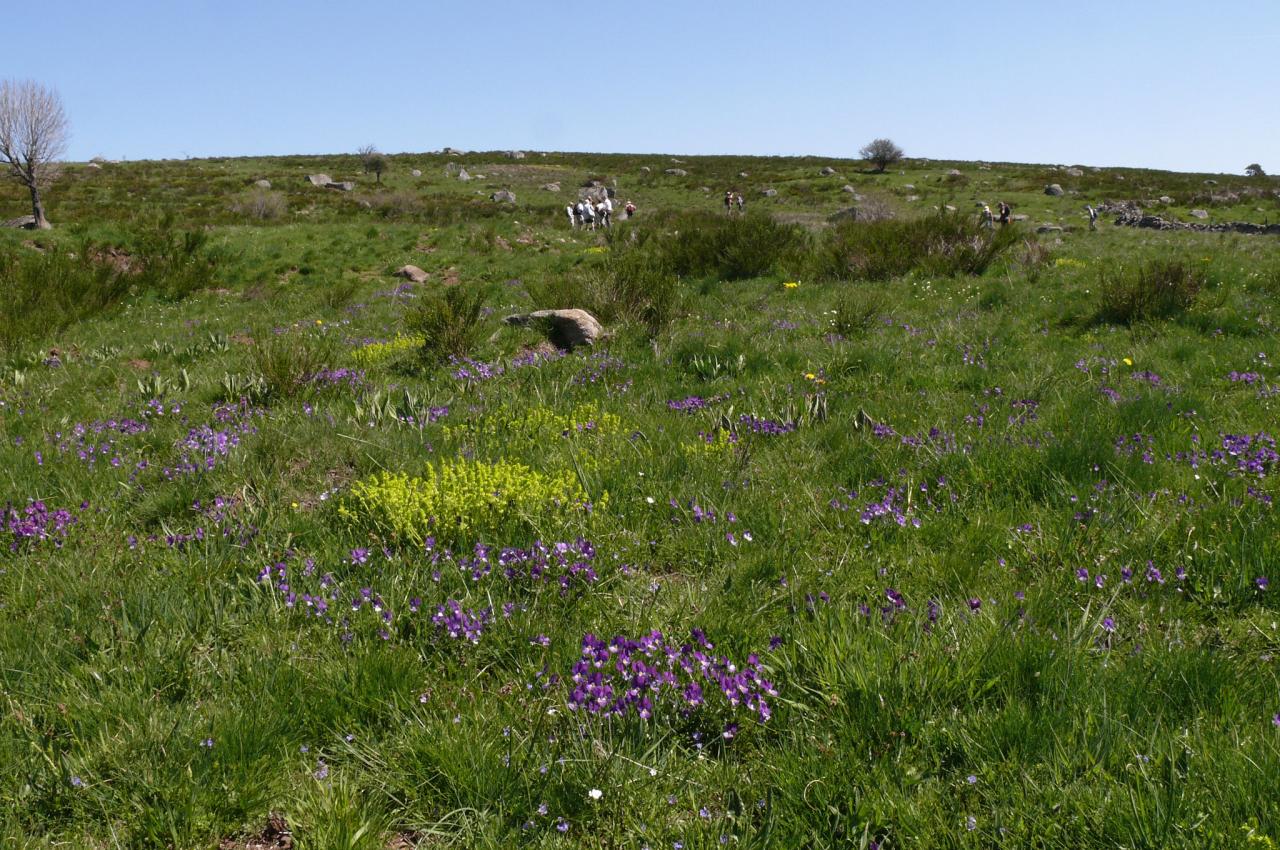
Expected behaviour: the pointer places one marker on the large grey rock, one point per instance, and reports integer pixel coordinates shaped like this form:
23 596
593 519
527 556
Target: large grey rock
344 186
955 172
463 175
412 273
416 172
827 171
1048 228
1166 200
551 187
23 221
1054 189
566 329
515 154
1199 214
676 172
503 196
1074 172
847 188
769 193
262 184
320 180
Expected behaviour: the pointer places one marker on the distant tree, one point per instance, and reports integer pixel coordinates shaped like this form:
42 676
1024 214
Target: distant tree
1255 170
374 161
33 138
882 153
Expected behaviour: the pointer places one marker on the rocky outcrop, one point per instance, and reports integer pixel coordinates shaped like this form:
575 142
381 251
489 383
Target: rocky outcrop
566 329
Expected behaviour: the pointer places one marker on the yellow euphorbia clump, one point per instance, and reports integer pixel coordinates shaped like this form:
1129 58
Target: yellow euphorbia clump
459 497
376 353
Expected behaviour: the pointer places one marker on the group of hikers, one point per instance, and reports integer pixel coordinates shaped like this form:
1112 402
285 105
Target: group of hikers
587 213
731 199
989 218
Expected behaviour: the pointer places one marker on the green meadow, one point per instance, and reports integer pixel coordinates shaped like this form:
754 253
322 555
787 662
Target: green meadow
863 525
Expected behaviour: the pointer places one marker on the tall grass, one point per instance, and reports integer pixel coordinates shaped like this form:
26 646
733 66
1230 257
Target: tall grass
449 322
43 294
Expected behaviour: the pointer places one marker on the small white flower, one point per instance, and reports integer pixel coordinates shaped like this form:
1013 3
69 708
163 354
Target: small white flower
653 771
595 793
649 499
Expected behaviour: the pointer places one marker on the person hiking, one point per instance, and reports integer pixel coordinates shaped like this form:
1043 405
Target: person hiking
728 202
987 219
588 215
1093 217
629 209
741 202
1004 213
573 216
607 205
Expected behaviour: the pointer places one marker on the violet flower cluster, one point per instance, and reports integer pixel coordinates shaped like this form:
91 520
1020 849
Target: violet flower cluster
623 677
36 523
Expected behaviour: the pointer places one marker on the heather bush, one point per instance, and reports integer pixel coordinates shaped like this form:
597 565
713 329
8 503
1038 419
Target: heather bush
946 244
261 205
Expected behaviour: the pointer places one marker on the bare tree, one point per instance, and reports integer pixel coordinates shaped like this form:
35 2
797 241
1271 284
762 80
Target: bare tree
373 160
882 153
33 137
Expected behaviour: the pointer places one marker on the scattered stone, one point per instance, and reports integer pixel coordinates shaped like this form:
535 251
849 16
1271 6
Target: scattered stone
416 172
551 187
644 169
948 208
319 180
1166 200
566 329
1048 228
847 188
1120 177
262 184
910 187
27 222
955 172
344 186
463 175
1199 214
827 171
743 174
1054 189
769 193
1074 172
1211 182
412 273
503 196
515 154
94 166
676 172
1018 217
705 189
911 198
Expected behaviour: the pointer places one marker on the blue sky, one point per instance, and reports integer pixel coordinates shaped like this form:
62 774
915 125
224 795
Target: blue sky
1172 84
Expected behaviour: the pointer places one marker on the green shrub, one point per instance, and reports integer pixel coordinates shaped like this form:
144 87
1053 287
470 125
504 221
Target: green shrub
856 310
731 248
1159 289
43 294
261 204
172 262
449 322
946 244
286 362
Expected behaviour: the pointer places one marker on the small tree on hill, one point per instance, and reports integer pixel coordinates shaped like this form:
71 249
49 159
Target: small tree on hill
374 161
881 153
1255 170
33 137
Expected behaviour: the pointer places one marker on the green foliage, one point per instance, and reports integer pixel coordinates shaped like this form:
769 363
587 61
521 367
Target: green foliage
285 362
946 244
856 311
449 322
461 498
42 294
730 247
1159 289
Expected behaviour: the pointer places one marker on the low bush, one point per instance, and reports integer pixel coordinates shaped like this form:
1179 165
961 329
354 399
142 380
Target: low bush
448 322
261 204
286 362
1159 289
856 311
946 244
44 293
731 248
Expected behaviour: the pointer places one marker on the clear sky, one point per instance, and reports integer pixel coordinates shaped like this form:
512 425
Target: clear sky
1180 84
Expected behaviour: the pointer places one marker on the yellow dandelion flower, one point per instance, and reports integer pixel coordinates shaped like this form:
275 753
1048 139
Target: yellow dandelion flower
791 284
1128 362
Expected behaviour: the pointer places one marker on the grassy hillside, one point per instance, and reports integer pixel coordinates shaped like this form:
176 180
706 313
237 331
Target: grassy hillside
894 533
